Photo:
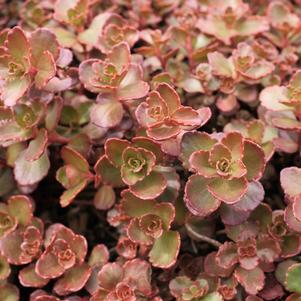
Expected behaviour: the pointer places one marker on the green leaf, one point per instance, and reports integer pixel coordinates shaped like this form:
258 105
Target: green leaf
197 197
20 207
195 141
228 191
46 69
150 187
114 148
68 196
293 278
165 250
31 172
254 160
37 146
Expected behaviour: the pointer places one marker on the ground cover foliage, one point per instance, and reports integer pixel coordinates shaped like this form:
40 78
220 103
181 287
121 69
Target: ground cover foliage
150 150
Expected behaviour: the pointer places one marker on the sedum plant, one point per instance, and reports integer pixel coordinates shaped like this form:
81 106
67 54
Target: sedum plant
150 150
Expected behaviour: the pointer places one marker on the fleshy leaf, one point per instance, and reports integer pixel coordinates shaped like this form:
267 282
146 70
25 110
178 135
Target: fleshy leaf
73 280
107 114
228 191
290 179
254 160
197 198
20 207
31 172
29 278
251 280
165 250
293 275
150 187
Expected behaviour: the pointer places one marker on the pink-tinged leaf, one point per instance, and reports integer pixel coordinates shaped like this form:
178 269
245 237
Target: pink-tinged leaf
31 172
227 105
197 198
104 198
135 207
228 191
107 114
10 247
213 269
145 159
46 69
163 131
48 267
150 145
29 278
56 84
187 116
290 179
252 25
297 208
114 149
286 123
53 114
90 36
21 208
110 275
205 114
272 97
254 160
221 66
251 280
126 248
107 173
14 89
165 250
234 142
73 280
9 292
232 217
259 70
192 85
194 141
200 163
86 75
280 15
170 96
74 158
166 212
268 249
17 44
120 56
42 40
291 220
177 286
68 195
136 234
150 187
217 27
99 256
252 198
37 146
139 271
226 256
132 86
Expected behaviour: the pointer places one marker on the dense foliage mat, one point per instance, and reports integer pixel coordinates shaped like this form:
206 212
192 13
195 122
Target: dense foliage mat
150 150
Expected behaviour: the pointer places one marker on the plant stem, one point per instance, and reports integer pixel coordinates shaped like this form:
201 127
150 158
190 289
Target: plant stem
204 238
